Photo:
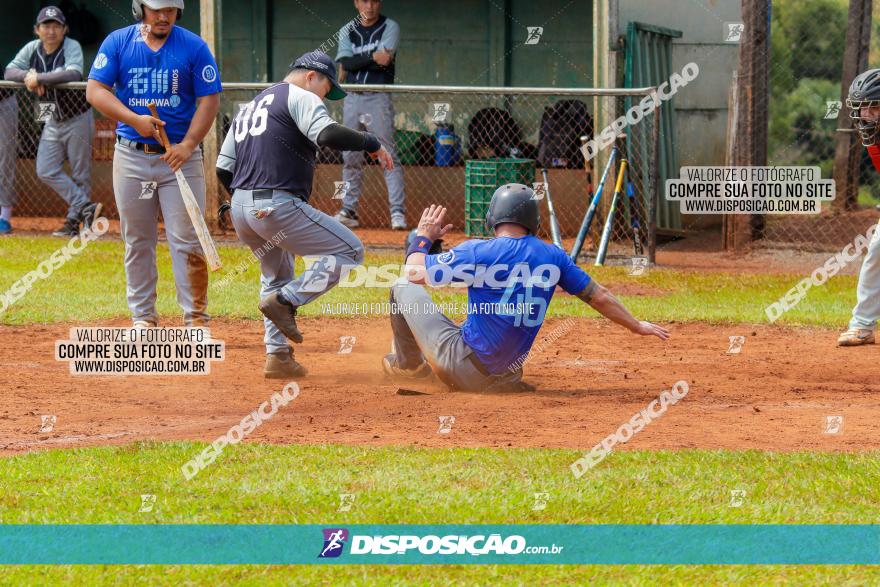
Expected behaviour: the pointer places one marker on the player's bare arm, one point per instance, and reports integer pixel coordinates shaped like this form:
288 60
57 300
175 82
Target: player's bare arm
603 301
206 114
102 99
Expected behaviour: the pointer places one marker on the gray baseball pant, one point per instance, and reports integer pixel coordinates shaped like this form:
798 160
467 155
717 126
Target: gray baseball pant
8 149
287 227
421 332
70 139
139 221
374 113
867 309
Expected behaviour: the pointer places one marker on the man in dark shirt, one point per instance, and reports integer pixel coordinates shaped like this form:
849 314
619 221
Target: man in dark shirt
69 127
267 162
367 51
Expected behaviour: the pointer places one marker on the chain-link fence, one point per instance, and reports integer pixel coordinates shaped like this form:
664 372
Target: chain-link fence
437 132
808 41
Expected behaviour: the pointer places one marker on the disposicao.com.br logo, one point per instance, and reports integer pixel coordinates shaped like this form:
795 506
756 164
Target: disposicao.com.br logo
392 544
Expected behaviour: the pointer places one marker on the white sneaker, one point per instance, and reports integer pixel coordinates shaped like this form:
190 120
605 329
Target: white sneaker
398 221
347 218
142 324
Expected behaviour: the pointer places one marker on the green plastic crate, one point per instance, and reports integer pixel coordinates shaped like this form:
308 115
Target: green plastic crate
481 178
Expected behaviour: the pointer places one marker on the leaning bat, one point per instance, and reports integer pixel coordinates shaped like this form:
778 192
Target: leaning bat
591 211
634 217
192 206
609 222
555 233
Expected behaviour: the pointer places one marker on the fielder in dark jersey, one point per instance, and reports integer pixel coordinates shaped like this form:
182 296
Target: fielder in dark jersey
268 162
510 278
367 53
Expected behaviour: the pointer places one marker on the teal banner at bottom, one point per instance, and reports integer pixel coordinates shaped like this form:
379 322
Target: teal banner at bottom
439 544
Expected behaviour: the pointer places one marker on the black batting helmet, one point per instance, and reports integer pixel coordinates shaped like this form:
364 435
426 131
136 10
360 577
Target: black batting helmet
516 203
864 92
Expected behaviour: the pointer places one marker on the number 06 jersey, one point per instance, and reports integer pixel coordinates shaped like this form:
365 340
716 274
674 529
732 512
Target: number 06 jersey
272 142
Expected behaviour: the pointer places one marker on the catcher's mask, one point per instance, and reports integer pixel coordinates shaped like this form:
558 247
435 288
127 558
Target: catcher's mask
864 93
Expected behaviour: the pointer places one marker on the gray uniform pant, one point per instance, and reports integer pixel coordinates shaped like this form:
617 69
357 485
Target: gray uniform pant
139 221
287 226
422 332
70 139
374 113
8 149
867 309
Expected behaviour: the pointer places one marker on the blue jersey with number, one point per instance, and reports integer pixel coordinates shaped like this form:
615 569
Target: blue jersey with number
182 70
510 283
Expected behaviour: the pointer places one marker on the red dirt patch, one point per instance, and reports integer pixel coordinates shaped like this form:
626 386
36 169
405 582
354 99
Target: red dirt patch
774 395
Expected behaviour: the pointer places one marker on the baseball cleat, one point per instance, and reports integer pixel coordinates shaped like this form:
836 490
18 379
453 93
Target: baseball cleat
89 213
282 314
392 368
398 221
69 228
5 226
143 324
283 366
347 218
856 337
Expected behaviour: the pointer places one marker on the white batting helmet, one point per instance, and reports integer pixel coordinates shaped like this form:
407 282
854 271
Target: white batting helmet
137 6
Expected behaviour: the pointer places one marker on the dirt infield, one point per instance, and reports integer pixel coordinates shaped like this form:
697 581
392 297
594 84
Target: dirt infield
774 395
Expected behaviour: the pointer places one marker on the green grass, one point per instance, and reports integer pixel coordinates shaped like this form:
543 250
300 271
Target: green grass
270 484
92 287
300 484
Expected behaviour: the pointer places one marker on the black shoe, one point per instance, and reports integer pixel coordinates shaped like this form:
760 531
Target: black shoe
393 368
69 228
282 315
283 366
89 213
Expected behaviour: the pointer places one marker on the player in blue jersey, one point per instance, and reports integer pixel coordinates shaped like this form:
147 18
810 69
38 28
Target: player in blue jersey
510 279
157 61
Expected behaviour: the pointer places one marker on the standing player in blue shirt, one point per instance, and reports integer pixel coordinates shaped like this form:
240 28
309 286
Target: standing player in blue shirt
157 61
510 278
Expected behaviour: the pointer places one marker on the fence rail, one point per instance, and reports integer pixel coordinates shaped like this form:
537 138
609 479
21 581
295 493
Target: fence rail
541 124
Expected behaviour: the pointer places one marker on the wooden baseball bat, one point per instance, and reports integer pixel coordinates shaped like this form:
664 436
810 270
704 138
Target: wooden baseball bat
192 206
609 222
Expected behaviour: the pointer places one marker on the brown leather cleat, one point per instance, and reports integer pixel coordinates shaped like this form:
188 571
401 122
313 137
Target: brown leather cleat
282 315
283 366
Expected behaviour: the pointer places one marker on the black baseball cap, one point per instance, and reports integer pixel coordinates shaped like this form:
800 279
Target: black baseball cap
50 13
322 63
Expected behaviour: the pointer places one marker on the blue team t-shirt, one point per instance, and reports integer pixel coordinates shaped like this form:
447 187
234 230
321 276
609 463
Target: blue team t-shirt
510 283
172 77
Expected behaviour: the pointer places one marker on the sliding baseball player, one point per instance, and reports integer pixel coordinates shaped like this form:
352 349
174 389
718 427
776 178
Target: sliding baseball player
511 279
268 163
159 62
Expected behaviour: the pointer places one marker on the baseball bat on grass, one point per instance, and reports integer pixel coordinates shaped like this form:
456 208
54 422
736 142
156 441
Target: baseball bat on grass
192 206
